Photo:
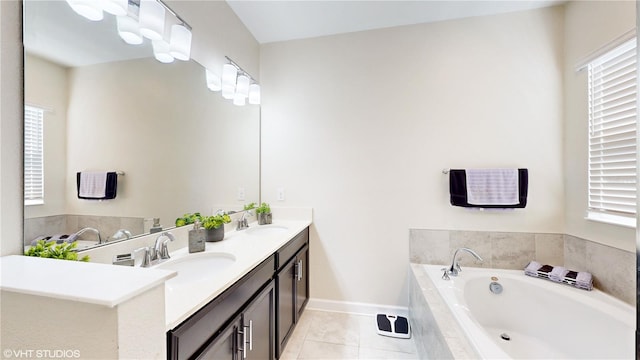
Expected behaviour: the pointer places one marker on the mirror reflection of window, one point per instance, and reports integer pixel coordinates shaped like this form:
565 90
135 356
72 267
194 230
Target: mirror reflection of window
33 155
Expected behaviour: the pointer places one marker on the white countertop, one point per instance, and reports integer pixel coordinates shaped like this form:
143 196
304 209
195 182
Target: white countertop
249 251
93 283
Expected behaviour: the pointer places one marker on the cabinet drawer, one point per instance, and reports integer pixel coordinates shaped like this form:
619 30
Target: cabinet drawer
187 338
290 249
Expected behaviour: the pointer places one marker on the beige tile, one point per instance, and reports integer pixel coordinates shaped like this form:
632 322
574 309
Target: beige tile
369 338
429 246
575 253
335 328
366 353
478 241
549 249
321 350
614 270
512 250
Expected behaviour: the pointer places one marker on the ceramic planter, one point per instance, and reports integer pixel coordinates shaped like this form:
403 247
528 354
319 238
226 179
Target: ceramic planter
264 218
215 234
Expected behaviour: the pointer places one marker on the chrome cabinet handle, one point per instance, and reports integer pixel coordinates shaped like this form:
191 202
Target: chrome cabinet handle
242 348
250 335
299 270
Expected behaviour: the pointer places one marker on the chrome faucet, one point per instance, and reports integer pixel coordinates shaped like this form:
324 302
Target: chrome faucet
84 230
242 222
160 250
121 234
455 268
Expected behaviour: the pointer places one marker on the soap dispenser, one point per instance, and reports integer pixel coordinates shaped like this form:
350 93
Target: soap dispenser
197 237
156 226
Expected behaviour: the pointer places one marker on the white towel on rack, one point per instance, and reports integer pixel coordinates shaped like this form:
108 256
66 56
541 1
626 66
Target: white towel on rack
492 186
93 184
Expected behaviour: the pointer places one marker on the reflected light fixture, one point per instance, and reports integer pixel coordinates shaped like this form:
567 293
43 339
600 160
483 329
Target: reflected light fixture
116 7
254 94
237 84
129 30
161 51
151 17
180 42
214 83
89 9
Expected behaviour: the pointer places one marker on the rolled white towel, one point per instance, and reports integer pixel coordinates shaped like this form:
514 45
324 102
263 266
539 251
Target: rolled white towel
532 268
584 280
558 273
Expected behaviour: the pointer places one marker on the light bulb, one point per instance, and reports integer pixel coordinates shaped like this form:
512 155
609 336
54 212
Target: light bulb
129 30
228 91
242 88
239 100
180 43
161 51
229 76
213 81
254 94
90 9
151 19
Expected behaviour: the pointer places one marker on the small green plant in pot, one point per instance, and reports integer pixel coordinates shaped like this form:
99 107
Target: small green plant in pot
214 226
264 214
51 250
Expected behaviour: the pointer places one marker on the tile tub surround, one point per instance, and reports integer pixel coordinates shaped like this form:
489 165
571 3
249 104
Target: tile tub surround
506 250
69 224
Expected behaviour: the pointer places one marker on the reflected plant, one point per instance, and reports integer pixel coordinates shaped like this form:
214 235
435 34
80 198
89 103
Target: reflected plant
52 250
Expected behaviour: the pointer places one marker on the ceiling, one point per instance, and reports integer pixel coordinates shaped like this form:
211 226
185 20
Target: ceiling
272 21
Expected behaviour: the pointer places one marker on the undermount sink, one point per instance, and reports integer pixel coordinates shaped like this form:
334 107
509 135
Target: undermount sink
196 267
267 230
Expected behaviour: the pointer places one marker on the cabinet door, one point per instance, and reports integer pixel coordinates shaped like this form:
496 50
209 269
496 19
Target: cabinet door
286 306
225 347
301 280
259 327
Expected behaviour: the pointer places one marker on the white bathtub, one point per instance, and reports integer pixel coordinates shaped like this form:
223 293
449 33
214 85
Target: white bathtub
544 320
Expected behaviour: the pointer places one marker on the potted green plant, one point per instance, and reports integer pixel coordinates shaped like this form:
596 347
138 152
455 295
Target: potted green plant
187 219
264 214
52 250
213 226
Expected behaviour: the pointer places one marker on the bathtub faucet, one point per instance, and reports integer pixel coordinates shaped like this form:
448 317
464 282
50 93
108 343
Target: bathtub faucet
454 269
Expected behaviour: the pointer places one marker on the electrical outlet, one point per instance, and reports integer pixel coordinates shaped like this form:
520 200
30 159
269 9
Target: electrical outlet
241 194
280 194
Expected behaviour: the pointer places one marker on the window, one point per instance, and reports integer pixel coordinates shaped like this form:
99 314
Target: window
33 156
612 136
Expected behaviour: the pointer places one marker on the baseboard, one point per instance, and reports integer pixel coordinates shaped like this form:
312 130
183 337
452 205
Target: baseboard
356 308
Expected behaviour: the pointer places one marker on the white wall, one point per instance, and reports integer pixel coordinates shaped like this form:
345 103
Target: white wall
360 126
590 25
46 86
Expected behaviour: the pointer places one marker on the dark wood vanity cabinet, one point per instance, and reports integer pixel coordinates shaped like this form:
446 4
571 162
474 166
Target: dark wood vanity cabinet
292 282
253 318
251 335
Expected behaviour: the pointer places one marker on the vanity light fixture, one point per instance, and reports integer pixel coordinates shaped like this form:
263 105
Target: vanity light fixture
238 85
89 9
180 43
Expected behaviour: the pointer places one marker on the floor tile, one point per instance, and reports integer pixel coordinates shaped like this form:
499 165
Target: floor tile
334 328
321 350
366 353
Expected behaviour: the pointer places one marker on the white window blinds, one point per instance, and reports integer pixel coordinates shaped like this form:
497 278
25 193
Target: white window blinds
612 135
33 155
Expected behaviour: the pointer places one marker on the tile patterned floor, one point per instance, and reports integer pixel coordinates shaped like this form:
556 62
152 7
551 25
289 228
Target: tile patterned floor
330 335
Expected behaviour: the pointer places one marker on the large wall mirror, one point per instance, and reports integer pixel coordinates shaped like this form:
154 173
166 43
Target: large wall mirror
110 106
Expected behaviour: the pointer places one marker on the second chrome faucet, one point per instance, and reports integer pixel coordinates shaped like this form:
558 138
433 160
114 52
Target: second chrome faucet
455 268
159 251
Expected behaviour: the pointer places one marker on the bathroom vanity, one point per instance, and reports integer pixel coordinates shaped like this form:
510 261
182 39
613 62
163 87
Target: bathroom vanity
254 317
240 297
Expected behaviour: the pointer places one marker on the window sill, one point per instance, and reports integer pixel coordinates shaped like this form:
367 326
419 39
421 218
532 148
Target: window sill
33 202
611 219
